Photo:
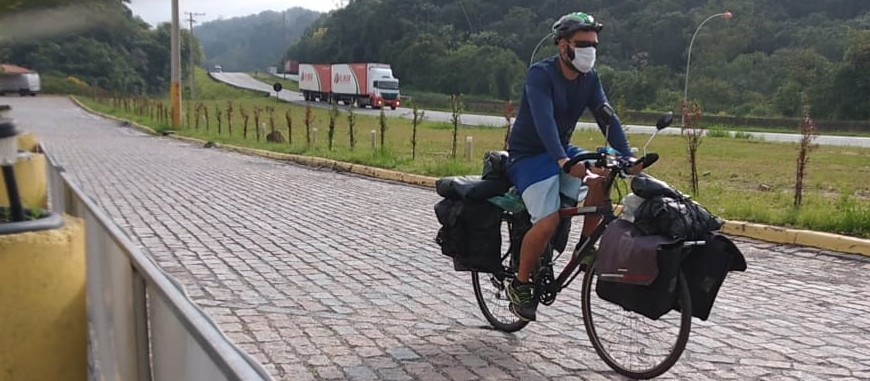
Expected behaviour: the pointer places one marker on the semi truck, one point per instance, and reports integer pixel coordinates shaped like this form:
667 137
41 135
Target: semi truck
291 67
357 84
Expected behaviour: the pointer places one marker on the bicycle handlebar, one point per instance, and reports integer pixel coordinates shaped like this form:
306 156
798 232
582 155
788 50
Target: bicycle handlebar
621 163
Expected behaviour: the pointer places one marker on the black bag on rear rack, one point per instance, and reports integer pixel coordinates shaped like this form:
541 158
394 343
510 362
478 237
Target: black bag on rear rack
470 233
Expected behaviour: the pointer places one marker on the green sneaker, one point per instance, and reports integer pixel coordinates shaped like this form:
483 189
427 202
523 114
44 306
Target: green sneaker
587 259
522 300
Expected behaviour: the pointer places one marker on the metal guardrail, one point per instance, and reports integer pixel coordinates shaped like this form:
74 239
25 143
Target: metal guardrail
142 324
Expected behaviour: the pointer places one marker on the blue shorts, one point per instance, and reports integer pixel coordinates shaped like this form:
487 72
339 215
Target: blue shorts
541 183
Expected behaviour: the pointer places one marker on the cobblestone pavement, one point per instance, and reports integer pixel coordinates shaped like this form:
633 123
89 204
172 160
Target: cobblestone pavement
328 276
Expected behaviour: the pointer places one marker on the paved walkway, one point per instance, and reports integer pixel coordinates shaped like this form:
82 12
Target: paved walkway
327 276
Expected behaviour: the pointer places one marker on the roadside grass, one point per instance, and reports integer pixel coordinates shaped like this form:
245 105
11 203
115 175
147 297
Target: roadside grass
741 179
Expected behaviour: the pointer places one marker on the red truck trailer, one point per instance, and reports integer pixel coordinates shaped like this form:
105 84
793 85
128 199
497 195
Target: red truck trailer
291 67
315 82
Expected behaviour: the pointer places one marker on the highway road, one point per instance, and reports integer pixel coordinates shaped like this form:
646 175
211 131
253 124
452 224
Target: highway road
244 80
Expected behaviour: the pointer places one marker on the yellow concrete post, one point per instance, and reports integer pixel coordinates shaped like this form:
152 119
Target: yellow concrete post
32 178
28 142
43 322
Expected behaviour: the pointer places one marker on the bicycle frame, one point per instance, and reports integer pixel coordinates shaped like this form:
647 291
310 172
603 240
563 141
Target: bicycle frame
570 272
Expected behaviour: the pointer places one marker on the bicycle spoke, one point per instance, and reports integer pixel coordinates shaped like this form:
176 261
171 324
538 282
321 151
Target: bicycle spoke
631 342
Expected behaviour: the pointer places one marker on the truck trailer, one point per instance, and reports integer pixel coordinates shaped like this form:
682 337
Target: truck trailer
315 82
357 84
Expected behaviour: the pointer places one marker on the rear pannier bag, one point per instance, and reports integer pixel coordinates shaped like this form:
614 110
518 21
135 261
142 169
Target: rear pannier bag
470 234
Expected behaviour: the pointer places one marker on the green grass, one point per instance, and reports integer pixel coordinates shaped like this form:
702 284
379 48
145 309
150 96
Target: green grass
741 179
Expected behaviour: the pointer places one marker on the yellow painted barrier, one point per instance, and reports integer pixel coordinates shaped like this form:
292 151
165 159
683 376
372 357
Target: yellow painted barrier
43 322
32 179
28 142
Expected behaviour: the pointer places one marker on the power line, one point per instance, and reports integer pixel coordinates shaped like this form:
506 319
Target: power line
462 5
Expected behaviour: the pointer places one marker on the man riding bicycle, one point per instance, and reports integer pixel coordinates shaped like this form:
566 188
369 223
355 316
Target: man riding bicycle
557 91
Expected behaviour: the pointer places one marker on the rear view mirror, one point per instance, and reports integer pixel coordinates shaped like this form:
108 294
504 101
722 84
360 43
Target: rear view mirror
665 121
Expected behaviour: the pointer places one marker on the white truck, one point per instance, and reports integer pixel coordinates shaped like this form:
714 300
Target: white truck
357 84
23 84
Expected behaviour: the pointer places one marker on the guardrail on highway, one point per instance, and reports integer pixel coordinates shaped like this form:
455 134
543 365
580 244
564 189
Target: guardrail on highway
142 324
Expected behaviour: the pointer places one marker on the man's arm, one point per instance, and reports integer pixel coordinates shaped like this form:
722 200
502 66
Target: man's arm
540 96
616 137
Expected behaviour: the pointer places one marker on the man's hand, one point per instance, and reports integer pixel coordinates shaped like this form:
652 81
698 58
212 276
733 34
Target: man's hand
578 170
588 175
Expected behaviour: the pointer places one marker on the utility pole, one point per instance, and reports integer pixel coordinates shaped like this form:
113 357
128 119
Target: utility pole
190 53
284 31
175 59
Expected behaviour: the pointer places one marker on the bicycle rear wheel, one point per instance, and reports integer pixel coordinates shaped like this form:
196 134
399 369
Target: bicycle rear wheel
490 290
630 343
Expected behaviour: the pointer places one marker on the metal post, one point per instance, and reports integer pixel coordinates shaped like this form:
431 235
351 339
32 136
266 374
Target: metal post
175 87
12 192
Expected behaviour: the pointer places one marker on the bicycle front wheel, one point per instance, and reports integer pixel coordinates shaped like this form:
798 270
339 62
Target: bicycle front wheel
630 343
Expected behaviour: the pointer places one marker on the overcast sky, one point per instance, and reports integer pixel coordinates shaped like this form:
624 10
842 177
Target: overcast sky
157 11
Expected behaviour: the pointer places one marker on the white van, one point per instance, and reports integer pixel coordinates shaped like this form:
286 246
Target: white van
23 84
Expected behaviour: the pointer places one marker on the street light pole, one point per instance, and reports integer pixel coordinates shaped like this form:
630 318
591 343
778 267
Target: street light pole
175 59
727 16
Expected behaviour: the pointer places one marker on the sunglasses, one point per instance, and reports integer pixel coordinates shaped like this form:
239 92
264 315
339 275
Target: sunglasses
584 44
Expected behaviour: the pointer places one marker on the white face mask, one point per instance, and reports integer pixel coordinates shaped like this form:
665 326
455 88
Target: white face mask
584 59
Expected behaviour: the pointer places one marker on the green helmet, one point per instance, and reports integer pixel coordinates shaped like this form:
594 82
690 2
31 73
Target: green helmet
574 22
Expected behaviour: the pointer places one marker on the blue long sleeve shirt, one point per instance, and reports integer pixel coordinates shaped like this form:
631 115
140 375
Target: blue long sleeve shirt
550 107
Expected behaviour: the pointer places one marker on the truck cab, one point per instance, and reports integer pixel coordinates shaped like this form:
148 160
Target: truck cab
385 88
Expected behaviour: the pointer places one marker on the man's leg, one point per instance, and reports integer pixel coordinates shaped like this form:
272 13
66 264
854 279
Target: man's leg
542 202
534 243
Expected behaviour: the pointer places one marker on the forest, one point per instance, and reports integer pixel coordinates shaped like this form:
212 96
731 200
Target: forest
769 60
97 44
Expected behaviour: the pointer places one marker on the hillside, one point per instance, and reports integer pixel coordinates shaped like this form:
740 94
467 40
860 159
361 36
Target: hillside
81 45
763 62
252 42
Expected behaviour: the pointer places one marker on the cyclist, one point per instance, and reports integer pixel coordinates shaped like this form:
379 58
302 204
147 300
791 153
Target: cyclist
557 91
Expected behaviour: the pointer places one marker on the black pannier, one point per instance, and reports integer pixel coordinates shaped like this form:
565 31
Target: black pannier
705 269
470 233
